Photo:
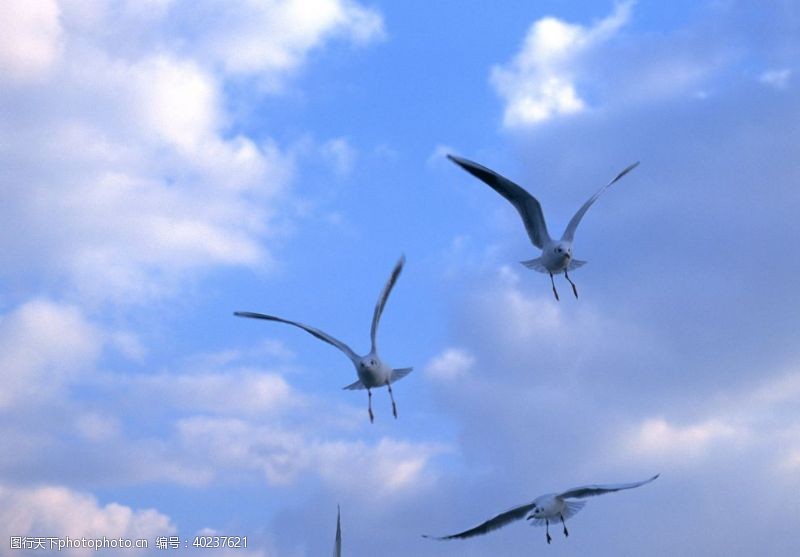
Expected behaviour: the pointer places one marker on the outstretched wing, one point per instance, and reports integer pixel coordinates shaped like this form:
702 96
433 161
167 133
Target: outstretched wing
376 317
527 205
600 489
569 233
495 523
337 546
316 332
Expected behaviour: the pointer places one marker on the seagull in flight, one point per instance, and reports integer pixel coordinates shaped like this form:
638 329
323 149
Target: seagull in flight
556 254
372 371
337 546
545 508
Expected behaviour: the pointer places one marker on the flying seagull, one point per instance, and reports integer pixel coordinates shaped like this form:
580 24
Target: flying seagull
556 254
545 508
372 371
337 546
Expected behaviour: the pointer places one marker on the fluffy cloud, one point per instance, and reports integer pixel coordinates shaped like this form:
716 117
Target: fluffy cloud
450 365
55 511
30 42
44 346
540 82
760 421
658 437
275 36
227 392
281 455
125 169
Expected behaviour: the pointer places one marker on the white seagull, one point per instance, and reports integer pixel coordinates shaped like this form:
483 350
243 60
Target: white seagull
545 508
556 254
372 371
337 546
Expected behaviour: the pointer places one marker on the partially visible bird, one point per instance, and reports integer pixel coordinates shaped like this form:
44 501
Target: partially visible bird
337 545
545 508
556 254
372 371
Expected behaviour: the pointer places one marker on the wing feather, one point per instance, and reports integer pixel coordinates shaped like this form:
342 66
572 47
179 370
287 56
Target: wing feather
569 233
387 289
526 205
311 330
600 489
502 519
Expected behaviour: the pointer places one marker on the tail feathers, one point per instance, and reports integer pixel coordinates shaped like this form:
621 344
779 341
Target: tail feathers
398 374
358 385
571 509
535 264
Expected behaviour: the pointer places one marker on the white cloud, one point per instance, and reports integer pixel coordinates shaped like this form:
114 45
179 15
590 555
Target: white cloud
55 511
133 185
43 346
450 365
282 455
97 427
228 392
540 82
30 41
126 173
274 37
657 437
339 154
777 79
760 419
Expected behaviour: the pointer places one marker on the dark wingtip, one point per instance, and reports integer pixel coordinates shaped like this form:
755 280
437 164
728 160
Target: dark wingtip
458 160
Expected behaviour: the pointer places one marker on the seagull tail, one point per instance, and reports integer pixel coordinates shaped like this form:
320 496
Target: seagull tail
571 509
354 386
535 264
574 264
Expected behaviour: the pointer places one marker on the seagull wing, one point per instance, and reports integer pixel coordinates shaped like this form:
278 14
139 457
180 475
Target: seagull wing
525 204
569 233
376 317
316 332
495 523
600 489
337 546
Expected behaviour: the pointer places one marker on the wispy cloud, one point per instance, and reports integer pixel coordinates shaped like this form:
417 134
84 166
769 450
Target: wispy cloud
540 83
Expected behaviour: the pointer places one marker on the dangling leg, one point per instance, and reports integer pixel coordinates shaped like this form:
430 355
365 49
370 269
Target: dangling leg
566 533
547 530
574 288
371 417
555 292
394 406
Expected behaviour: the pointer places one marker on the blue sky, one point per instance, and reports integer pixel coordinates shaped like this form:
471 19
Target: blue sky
165 163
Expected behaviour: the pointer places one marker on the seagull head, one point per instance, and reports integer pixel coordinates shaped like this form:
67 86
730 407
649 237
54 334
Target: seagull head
369 363
563 250
536 512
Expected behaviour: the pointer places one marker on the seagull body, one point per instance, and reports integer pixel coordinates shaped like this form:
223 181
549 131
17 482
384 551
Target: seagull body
372 371
543 509
556 255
